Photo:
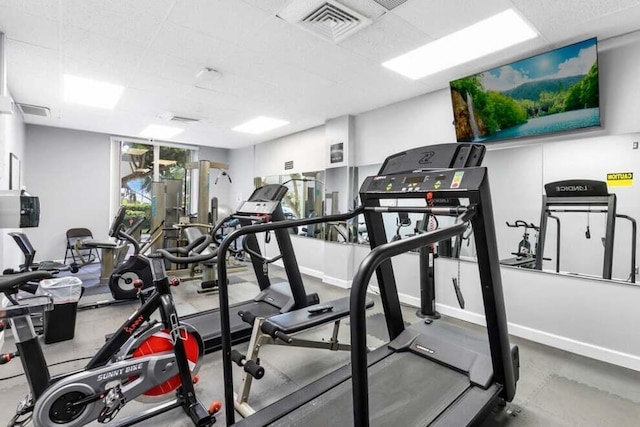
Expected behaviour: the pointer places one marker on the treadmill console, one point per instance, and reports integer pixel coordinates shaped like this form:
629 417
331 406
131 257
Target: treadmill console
258 208
264 200
423 182
434 157
576 188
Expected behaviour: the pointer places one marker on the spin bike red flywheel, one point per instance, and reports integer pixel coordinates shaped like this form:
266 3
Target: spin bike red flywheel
161 342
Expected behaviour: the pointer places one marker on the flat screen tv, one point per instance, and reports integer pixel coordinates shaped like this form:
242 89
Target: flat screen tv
552 92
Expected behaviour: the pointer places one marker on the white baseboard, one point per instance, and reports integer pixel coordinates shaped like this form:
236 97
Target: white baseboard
341 283
603 354
344 284
311 272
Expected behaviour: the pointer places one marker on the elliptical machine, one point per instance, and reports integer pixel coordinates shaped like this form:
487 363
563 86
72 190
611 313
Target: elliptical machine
136 267
142 357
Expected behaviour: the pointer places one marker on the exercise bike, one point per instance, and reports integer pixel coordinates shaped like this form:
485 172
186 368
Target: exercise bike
142 358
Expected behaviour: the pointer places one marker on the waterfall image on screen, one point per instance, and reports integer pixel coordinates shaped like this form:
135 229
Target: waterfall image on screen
552 92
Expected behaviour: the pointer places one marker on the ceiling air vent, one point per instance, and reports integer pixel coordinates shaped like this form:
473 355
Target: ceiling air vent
333 21
390 4
181 119
34 110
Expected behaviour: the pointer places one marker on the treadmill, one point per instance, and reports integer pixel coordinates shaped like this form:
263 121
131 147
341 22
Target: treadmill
264 204
435 374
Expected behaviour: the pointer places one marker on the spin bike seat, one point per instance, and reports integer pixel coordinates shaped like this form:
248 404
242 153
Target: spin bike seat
14 281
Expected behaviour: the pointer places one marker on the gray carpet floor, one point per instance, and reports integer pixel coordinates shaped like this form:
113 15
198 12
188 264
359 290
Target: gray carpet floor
556 388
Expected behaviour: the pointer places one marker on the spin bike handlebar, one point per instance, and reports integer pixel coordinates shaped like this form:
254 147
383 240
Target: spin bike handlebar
521 223
197 246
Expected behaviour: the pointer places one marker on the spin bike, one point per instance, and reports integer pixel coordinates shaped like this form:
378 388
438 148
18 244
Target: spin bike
525 257
142 358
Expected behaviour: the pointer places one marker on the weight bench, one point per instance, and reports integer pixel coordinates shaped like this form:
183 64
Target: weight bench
278 330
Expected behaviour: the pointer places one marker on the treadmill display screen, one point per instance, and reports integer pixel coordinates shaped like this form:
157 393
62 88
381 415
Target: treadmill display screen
414 179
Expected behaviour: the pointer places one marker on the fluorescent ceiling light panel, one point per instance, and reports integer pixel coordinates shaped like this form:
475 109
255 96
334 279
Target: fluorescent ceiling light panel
483 38
160 132
259 125
92 93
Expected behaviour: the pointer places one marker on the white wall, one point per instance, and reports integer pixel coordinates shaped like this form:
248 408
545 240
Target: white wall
12 141
424 120
242 172
306 149
69 170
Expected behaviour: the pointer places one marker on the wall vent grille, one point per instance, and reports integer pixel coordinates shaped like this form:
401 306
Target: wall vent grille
390 4
288 165
34 110
334 22
181 119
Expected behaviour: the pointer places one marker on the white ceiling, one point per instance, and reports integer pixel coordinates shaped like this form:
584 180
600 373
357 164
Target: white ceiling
269 67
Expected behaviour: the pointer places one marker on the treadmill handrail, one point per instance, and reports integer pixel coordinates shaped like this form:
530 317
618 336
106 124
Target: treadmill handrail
223 295
358 298
634 237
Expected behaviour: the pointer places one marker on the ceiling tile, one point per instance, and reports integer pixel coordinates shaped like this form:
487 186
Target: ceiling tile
439 18
135 27
220 100
97 49
551 17
169 67
268 66
32 66
229 20
18 4
194 46
289 44
47 8
387 38
20 25
158 85
270 6
159 8
145 102
103 71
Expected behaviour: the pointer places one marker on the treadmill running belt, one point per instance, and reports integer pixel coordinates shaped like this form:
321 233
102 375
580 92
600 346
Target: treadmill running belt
404 390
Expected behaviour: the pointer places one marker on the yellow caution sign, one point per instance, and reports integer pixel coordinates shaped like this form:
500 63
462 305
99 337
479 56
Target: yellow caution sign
620 179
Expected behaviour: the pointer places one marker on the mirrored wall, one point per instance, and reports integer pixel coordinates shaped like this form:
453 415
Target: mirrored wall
586 236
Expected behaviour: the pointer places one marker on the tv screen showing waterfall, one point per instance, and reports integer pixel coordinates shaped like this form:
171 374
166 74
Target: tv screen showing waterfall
553 92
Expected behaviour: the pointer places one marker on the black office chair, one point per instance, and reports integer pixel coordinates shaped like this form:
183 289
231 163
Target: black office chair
81 256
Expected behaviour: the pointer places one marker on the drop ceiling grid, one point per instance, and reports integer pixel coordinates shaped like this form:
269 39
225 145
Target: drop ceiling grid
270 6
136 28
107 71
229 20
444 17
193 46
169 67
33 66
144 102
90 47
288 44
267 66
20 25
389 37
556 19
153 84
158 8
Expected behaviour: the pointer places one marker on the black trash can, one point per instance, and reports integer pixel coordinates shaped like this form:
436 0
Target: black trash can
60 323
